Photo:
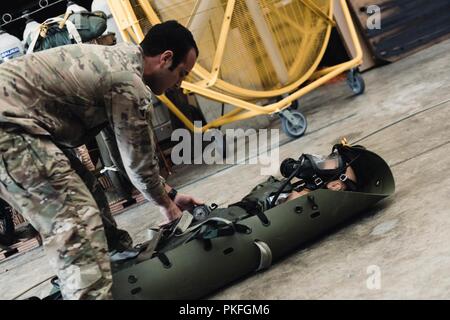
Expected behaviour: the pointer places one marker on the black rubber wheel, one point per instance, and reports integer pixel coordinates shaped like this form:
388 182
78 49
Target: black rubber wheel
6 224
356 82
294 131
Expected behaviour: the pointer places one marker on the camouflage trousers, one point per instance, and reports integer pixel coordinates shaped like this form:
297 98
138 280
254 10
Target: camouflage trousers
37 179
118 240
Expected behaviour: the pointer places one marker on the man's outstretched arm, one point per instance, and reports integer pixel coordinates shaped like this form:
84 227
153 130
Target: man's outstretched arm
130 100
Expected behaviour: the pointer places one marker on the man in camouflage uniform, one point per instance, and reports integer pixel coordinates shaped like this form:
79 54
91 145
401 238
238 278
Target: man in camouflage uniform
63 97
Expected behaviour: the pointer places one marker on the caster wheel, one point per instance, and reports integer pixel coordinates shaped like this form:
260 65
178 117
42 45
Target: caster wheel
356 82
294 125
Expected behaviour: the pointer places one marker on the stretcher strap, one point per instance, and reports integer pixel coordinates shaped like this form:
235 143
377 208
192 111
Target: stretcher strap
253 208
184 222
212 220
154 236
220 231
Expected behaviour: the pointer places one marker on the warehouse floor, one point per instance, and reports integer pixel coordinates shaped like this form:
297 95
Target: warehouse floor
403 116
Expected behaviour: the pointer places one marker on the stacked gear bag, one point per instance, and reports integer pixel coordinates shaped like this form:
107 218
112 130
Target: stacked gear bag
73 28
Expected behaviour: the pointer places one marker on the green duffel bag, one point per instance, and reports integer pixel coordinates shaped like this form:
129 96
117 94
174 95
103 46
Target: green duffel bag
79 27
90 25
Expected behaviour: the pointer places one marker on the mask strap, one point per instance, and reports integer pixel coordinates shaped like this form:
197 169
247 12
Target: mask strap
342 173
285 183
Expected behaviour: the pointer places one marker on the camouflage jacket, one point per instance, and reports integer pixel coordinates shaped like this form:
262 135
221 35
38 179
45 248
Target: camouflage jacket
70 93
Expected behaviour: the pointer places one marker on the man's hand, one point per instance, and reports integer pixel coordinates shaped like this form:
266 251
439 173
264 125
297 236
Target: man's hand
171 212
186 202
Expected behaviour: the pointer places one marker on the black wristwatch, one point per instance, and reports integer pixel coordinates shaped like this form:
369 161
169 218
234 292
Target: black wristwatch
172 194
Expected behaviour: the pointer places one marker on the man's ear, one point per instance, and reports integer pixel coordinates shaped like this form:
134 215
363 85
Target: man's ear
166 58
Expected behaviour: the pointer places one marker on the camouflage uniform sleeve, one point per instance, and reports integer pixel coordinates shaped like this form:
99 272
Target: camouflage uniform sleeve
129 112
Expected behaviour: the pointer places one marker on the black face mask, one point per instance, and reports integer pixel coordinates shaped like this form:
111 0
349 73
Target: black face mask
309 165
315 170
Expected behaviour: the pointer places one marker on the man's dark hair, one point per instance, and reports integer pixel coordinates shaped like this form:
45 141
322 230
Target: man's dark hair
169 35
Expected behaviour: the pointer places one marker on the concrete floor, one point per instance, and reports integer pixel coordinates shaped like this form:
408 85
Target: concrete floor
403 116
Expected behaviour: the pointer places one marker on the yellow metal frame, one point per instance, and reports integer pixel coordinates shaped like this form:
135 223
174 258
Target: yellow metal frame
212 78
131 31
